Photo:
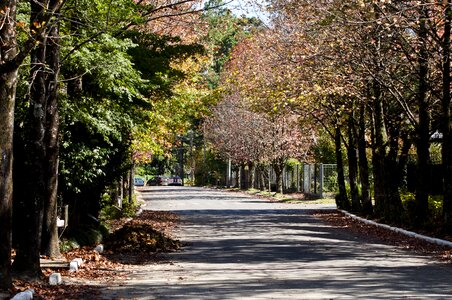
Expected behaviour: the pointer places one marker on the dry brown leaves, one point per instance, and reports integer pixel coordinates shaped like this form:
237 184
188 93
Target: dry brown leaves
386 236
152 234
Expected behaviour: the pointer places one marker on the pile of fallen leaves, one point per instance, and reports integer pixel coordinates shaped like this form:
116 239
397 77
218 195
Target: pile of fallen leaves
135 241
140 238
386 236
148 233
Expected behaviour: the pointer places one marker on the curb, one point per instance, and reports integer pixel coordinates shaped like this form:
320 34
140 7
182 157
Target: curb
400 230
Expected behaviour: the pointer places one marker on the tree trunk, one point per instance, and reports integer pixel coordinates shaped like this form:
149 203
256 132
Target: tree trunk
379 151
269 179
252 176
243 177
341 198
392 179
8 83
131 182
353 166
50 245
278 167
446 123
27 261
367 208
423 132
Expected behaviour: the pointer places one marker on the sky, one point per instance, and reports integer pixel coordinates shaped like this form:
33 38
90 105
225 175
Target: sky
241 7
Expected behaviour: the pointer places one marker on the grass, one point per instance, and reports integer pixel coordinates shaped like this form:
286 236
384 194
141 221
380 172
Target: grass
310 201
288 198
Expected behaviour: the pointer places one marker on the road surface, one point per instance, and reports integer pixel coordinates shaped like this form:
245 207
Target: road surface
242 247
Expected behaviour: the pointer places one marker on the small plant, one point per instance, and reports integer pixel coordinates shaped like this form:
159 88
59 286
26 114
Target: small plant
67 245
129 208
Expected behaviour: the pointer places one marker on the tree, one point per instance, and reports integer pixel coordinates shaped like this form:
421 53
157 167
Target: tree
10 62
41 157
8 82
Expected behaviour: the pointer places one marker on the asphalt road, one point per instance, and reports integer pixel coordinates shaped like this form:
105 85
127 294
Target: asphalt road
246 248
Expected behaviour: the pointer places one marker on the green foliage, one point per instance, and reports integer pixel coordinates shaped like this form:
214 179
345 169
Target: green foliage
291 163
210 168
87 236
323 150
225 31
153 57
435 209
129 208
68 245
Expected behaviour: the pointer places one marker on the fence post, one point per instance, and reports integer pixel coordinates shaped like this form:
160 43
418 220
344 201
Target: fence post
298 178
321 181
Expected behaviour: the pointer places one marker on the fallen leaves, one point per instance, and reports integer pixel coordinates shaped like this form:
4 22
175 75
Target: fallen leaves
133 241
386 236
141 238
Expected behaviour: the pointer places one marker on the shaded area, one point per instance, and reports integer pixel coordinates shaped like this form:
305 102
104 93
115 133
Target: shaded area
245 248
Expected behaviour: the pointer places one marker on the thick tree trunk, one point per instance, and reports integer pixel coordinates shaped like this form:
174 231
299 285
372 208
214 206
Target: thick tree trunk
423 132
8 83
50 244
342 201
446 124
353 166
367 208
27 261
7 97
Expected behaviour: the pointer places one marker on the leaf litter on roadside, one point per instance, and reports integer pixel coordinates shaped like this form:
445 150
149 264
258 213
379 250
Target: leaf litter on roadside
386 236
132 241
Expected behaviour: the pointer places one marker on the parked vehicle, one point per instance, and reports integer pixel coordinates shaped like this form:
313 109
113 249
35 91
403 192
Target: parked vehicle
138 181
158 180
175 180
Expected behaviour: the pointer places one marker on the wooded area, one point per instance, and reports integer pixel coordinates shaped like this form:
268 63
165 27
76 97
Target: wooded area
374 77
93 91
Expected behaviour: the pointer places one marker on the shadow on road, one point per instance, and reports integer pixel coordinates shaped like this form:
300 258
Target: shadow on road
243 248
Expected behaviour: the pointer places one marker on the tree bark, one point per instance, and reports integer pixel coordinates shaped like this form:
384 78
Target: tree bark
392 179
367 208
27 262
379 151
131 181
252 176
8 83
50 243
278 167
353 166
446 124
342 201
423 130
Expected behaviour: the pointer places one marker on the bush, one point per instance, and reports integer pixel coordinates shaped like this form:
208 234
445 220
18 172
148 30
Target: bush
89 236
68 245
435 208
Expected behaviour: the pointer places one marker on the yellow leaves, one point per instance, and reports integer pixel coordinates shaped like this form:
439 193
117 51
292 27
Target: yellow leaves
317 88
4 10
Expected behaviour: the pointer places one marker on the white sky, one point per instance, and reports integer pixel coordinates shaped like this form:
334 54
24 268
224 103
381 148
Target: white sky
245 8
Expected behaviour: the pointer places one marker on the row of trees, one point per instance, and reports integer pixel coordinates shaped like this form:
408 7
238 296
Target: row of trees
374 75
87 89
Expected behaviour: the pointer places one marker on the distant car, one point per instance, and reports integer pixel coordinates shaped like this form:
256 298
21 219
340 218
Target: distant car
153 181
158 180
138 181
174 180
